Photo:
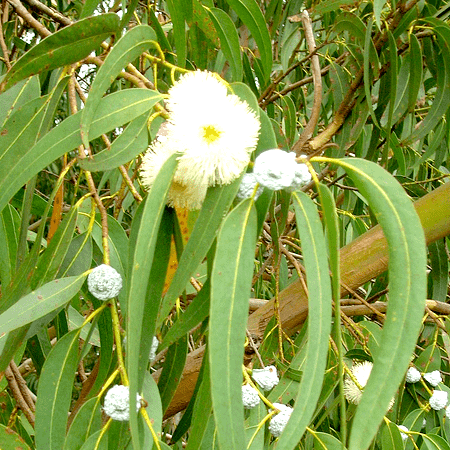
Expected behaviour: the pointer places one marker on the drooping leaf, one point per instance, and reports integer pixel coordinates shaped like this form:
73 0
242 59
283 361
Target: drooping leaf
249 12
86 422
66 46
196 312
9 224
177 15
143 241
128 48
391 438
55 393
229 41
407 261
38 303
230 289
324 441
441 100
128 145
15 97
319 319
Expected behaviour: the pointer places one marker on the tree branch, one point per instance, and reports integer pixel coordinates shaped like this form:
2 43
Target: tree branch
317 80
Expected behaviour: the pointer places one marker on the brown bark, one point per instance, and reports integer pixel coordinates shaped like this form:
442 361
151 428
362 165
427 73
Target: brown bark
360 261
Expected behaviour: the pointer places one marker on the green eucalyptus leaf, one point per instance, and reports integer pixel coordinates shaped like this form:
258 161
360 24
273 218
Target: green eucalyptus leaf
230 290
66 46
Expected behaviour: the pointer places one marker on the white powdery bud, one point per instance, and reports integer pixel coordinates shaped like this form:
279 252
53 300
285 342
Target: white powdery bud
116 404
439 400
403 435
434 378
153 349
301 177
412 375
278 422
277 169
250 397
266 378
104 282
247 187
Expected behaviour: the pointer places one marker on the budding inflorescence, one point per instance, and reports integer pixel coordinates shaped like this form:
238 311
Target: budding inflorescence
104 282
117 403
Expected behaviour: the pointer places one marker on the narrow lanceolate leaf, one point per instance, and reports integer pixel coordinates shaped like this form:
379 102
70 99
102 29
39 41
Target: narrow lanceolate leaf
66 46
172 371
114 110
10 440
249 12
201 409
229 41
217 202
332 226
319 319
40 302
391 438
143 242
55 393
196 312
441 100
435 442
407 286
415 82
9 229
19 133
127 146
230 289
324 441
128 48
18 95
179 32
377 8
439 270
87 421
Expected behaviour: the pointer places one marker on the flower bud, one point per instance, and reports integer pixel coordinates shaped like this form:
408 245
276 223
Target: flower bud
104 282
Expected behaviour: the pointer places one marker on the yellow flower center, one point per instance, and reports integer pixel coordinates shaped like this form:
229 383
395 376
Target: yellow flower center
211 134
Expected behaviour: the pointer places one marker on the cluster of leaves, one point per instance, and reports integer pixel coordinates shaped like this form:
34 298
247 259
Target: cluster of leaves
82 92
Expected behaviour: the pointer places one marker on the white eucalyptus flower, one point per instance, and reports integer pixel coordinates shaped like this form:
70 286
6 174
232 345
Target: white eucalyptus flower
276 169
104 282
434 378
361 372
266 378
412 375
214 130
247 187
250 397
116 404
181 196
278 422
439 400
403 435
